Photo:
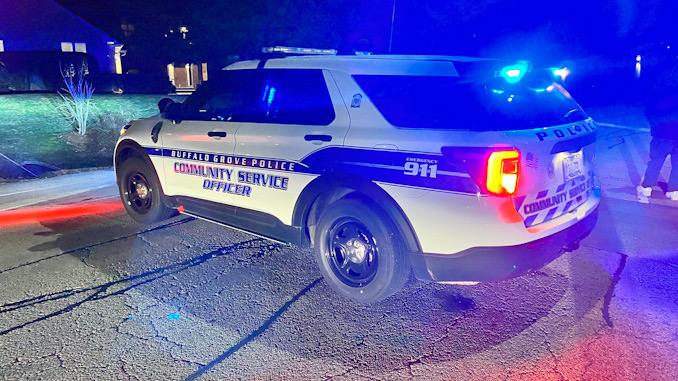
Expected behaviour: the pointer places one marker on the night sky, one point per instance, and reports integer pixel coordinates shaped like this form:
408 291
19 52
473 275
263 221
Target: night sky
536 30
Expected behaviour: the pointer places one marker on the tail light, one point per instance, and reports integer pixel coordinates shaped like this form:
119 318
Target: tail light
494 170
503 168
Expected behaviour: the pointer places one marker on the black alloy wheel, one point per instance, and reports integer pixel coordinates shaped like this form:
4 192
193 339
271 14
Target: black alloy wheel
359 251
353 252
141 192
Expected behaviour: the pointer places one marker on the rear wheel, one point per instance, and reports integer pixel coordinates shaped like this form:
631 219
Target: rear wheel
141 193
359 251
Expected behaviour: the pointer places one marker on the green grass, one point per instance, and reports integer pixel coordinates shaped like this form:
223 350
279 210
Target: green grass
31 128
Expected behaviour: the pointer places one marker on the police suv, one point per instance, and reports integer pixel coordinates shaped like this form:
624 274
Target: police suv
459 169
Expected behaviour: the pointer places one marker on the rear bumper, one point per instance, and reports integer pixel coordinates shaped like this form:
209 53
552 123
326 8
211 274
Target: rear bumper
491 264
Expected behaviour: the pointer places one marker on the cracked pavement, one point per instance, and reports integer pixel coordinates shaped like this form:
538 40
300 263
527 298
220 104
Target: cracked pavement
99 297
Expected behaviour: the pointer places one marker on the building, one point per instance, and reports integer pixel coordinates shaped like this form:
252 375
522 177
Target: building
45 26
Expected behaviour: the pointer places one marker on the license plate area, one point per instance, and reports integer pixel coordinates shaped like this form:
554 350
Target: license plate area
572 166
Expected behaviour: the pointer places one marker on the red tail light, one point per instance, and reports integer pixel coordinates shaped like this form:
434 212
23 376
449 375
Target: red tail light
503 169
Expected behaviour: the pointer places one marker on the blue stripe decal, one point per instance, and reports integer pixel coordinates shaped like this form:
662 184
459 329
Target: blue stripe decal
518 202
567 206
154 151
561 187
579 199
550 214
423 170
542 194
529 221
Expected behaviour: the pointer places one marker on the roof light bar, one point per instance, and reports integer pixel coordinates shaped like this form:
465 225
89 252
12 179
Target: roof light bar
513 73
560 72
296 50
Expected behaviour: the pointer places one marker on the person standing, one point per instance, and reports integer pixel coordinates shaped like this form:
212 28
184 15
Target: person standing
662 113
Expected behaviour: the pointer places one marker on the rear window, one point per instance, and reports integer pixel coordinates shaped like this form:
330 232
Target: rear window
478 105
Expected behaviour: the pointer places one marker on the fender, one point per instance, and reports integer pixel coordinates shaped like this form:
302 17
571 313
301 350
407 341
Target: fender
128 148
368 189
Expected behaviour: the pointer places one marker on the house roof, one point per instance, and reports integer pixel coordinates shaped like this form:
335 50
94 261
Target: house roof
22 20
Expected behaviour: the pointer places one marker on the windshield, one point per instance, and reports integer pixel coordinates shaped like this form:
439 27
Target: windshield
478 105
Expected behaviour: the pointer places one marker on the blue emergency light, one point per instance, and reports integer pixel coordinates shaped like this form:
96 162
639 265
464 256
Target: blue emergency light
513 73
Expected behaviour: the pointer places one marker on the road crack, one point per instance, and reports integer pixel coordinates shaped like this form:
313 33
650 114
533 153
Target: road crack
89 247
607 299
109 289
258 332
556 361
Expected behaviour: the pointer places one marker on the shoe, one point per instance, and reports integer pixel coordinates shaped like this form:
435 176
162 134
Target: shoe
643 194
672 195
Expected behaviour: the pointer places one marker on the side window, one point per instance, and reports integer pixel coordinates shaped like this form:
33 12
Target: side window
228 96
291 96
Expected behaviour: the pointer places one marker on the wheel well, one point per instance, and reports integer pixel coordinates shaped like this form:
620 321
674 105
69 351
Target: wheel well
128 149
325 190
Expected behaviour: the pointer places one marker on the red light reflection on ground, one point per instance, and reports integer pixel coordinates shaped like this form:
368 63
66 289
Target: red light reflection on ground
44 214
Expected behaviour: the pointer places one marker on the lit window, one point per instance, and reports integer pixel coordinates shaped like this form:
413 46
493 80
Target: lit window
127 29
66 46
81 47
2 46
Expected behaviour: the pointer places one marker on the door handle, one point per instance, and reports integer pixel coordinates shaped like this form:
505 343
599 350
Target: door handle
214 134
322 138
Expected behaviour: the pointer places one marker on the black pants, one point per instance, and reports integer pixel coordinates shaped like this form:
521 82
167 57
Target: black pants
660 148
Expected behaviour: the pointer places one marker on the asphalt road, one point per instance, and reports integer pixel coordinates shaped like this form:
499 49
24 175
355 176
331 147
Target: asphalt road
94 296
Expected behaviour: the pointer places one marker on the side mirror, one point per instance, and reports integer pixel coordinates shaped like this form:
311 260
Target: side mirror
174 112
163 103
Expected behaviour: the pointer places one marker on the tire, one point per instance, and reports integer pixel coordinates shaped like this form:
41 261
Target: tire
359 252
141 193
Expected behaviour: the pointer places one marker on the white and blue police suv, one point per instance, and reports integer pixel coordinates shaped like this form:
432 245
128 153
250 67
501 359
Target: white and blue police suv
459 169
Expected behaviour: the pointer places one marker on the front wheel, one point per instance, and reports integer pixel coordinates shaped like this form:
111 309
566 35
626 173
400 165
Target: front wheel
359 251
141 193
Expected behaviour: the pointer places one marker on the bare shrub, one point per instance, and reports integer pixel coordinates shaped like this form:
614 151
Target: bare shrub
76 96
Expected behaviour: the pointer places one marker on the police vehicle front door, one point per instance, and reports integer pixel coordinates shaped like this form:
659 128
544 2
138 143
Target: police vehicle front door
198 150
301 112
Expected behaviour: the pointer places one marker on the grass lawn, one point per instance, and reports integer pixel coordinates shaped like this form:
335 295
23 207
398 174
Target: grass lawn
31 128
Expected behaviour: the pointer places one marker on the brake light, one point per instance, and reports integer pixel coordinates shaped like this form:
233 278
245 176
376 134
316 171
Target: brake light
503 168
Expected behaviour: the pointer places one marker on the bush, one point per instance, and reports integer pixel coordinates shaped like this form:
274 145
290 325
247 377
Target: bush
99 142
76 98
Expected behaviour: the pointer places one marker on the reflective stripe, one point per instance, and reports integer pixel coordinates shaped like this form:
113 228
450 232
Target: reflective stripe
420 170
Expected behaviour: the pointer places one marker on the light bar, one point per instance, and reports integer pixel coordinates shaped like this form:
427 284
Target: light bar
514 73
295 50
560 72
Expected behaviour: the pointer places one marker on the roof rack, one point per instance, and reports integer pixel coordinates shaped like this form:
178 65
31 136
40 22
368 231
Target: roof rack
288 50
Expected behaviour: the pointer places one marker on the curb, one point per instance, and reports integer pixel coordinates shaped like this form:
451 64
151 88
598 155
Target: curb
23 193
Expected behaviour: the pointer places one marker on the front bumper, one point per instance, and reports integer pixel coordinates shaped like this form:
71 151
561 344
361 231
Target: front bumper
492 264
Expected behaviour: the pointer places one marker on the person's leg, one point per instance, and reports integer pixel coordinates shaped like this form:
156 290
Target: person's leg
659 149
672 191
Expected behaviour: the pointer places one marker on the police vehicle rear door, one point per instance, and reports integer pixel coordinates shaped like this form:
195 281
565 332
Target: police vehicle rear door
301 112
